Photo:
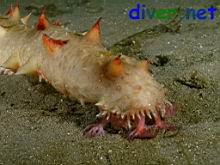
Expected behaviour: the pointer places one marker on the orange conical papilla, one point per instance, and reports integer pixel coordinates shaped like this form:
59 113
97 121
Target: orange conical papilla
94 34
52 44
14 13
10 11
115 68
42 21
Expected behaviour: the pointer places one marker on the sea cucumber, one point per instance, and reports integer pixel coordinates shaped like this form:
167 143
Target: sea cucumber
80 67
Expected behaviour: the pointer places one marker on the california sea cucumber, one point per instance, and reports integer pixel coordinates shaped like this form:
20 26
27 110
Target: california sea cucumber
80 67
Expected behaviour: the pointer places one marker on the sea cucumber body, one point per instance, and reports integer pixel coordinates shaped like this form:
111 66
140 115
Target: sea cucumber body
23 43
77 70
80 67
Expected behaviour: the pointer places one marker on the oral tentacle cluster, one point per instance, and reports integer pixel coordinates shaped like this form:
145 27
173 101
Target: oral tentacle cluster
4 71
80 67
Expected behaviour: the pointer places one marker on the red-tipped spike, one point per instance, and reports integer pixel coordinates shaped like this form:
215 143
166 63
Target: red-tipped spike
14 12
117 60
114 69
93 34
10 11
97 25
17 4
52 44
42 22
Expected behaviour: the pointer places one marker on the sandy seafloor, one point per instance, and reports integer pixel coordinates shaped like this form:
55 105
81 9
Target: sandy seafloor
40 126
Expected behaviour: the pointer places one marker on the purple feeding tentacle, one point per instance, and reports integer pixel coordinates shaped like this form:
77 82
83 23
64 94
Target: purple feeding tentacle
161 124
170 109
96 129
4 71
142 131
